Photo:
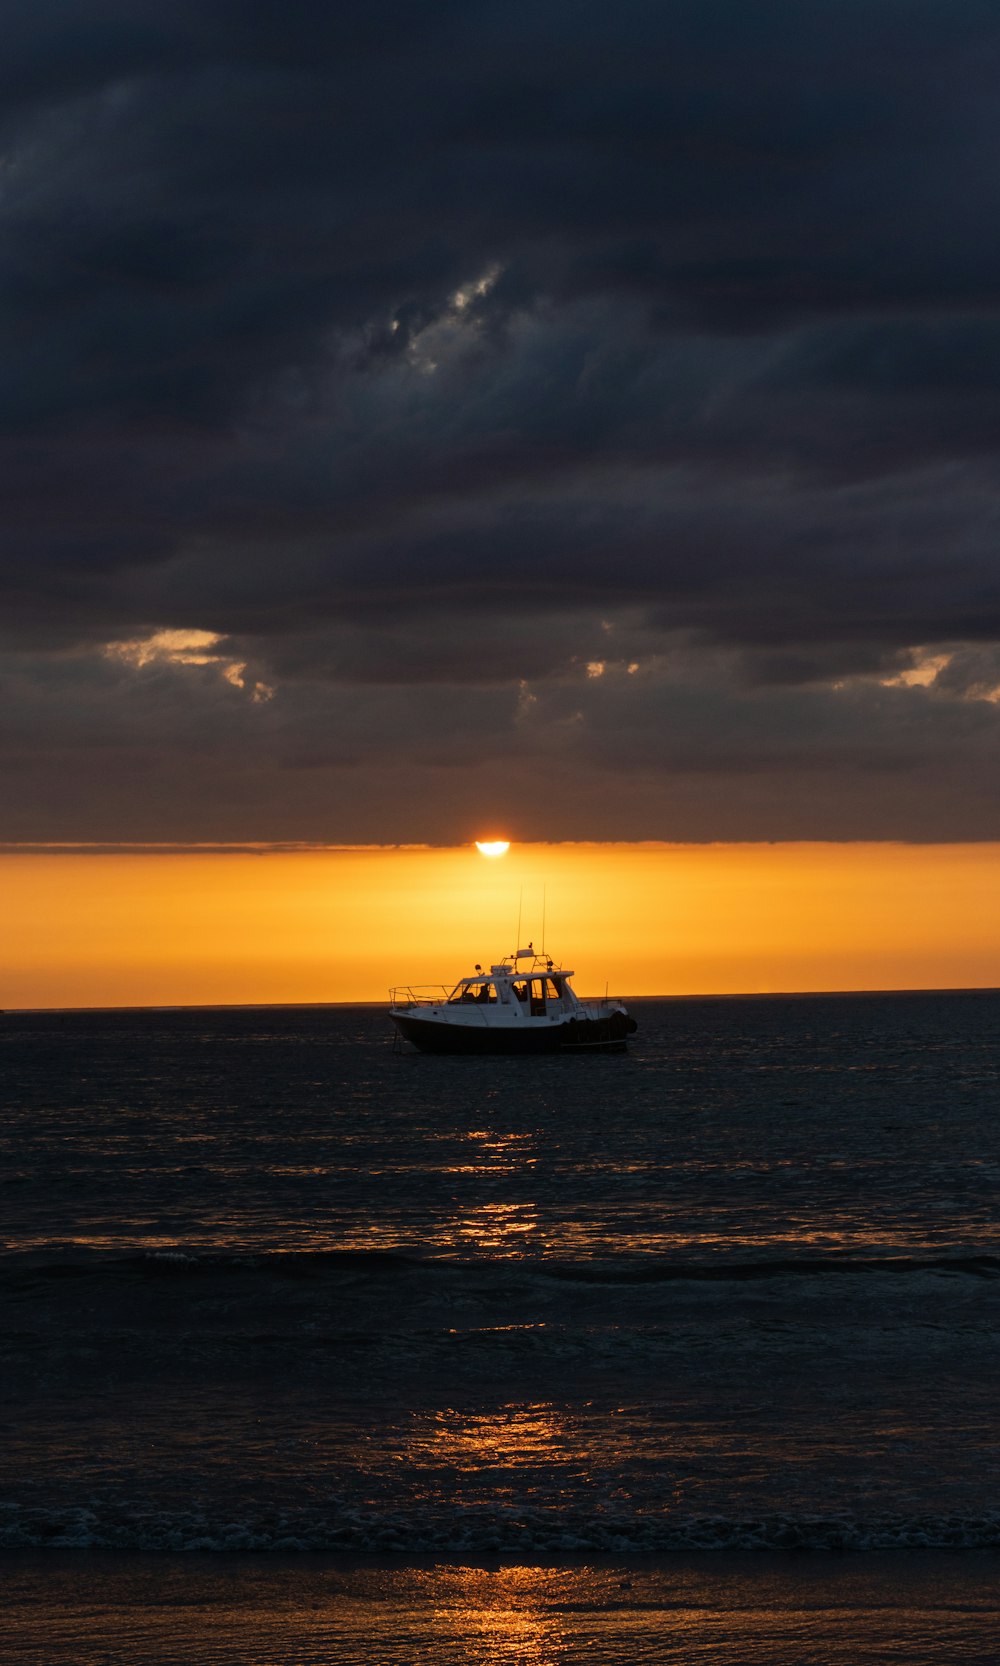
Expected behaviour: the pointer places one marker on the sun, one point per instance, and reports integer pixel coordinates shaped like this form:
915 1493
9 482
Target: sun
493 847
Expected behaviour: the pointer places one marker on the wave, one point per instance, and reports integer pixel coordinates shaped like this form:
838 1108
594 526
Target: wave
526 1535
723 1268
983 1266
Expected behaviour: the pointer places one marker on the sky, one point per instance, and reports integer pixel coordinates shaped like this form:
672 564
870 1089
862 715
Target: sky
569 419
210 927
574 423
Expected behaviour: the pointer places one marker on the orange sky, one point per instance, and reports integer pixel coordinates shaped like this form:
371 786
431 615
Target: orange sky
340 925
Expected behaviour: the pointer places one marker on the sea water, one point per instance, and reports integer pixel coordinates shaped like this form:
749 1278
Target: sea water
269 1285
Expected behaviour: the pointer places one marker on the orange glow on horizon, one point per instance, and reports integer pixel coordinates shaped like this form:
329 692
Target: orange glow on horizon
315 925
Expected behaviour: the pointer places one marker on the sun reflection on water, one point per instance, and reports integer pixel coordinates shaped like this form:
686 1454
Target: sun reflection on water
500 1228
513 1436
503 1614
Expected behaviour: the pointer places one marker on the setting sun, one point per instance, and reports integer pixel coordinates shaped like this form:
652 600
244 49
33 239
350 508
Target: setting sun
493 847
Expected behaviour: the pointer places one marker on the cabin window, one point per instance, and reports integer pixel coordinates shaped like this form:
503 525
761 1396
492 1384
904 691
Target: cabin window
538 997
479 994
520 988
552 988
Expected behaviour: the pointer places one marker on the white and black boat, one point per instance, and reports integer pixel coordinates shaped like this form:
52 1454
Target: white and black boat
524 1004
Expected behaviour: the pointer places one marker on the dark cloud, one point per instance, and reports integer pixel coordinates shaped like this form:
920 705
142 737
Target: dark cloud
426 355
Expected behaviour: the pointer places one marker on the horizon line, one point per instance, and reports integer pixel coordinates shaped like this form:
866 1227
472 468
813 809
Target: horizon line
687 995
277 847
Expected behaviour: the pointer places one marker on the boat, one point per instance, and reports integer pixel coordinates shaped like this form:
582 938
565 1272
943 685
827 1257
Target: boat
523 1004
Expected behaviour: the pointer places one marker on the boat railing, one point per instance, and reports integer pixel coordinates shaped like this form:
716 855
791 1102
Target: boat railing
419 995
518 966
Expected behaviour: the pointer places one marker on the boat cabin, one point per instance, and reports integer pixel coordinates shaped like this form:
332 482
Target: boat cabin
539 994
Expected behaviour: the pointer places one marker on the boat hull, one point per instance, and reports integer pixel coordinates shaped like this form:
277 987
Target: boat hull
573 1035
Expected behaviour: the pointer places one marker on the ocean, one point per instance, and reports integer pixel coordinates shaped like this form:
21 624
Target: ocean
381 1356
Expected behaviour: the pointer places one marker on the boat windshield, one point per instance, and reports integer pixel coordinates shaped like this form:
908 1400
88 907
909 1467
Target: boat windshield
478 991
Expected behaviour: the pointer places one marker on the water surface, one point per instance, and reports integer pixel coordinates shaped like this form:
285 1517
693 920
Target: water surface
268 1285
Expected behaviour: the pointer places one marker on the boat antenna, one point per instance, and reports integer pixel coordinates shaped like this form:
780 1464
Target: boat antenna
543 922
520 899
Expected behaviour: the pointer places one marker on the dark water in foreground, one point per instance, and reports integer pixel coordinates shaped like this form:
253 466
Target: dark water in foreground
755 1610
267 1286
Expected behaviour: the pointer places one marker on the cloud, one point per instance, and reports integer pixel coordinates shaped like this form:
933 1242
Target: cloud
409 362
